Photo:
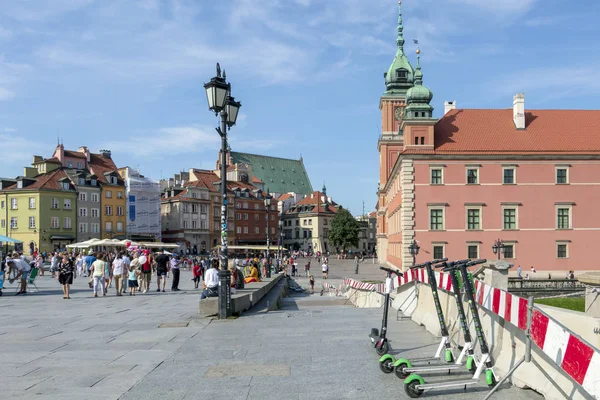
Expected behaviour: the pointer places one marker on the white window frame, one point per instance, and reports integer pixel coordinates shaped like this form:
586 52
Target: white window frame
108 194
32 203
431 169
565 167
67 204
67 223
107 209
14 223
14 203
82 196
95 228
510 207
119 194
474 168
438 244
568 206
83 227
108 226
31 222
119 226
54 203
436 207
562 243
245 229
120 211
512 243
256 230
83 212
94 198
95 211
514 168
52 224
238 229
469 244
478 208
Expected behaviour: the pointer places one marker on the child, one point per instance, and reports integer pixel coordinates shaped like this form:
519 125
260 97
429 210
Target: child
311 281
132 280
197 274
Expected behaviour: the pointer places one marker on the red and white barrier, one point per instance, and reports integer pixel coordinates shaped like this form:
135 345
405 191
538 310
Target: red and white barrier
578 359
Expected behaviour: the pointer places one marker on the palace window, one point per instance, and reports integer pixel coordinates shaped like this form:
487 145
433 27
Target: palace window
509 251
473 219
436 219
509 218
562 250
563 220
508 176
472 176
562 176
473 251
438 251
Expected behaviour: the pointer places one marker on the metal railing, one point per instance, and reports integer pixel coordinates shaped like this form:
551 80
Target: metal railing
516 285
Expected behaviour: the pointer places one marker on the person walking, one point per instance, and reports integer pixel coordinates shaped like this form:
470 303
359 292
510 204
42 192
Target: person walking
197 271
66 270
356 264
325 269
162 262
126 263
54 261
311 282
117 272
97 272
79 265
175 269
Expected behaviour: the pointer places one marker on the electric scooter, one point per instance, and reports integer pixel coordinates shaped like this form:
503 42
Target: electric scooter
403 368
379 338
387 363
415 386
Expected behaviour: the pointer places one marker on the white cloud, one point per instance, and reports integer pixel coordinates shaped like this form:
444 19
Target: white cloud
167 142
34 10
19 152
505 6
6 94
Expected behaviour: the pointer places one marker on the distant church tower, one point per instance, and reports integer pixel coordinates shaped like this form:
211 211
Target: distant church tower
399 78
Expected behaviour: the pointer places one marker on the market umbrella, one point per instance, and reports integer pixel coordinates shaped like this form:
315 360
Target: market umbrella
6 239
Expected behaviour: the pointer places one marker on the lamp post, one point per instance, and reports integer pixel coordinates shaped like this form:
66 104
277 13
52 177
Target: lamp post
218 93
280 238
498 247
414 250
268 208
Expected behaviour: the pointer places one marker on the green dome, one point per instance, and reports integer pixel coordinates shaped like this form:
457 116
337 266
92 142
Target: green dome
419 94
400 75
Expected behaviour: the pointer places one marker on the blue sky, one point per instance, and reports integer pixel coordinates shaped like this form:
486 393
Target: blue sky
127 75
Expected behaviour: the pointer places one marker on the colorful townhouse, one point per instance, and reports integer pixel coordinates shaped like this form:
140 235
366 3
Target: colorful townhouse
39 209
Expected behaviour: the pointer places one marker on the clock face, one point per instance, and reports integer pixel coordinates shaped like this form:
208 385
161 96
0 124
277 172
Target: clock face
399 113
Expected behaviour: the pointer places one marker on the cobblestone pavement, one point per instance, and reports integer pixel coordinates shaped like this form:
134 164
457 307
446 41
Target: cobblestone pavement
154 346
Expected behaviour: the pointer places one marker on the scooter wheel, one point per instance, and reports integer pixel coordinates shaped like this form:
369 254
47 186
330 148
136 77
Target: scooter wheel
387 366
400 372
383 349
412 391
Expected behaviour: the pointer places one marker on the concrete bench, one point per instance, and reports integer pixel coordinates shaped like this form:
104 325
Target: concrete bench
242 300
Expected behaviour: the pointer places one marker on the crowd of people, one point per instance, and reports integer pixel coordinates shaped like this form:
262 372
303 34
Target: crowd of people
131 271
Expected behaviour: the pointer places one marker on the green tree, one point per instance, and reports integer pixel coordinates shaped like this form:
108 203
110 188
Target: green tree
344 230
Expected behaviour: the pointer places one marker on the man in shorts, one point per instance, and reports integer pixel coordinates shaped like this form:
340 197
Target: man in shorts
162 262
23 269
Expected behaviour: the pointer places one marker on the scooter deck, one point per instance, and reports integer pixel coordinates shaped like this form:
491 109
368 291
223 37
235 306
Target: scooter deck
447 384
434 368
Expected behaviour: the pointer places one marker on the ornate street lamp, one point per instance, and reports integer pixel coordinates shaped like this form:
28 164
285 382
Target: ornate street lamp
218 94
498 247
414 250
268 208
280 241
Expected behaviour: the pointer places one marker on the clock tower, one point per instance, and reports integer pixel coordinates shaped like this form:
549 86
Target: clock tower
399 78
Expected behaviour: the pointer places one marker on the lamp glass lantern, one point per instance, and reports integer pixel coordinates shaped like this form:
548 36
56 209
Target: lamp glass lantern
217 93
268 201
414 248
232 109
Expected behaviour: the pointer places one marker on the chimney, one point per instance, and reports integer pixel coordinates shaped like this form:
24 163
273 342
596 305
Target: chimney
519 110
449 106
322 199
105 154
329 199
312 195
84 150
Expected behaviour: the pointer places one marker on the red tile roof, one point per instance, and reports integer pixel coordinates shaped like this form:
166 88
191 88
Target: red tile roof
70 153
208 179
471 131
47 181
256 180
99 165
285 196
315 201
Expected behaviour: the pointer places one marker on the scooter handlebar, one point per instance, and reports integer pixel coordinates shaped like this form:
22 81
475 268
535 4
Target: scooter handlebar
476 262
392 271
452 264
439 260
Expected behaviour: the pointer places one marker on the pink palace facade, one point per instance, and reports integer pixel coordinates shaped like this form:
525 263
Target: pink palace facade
528 177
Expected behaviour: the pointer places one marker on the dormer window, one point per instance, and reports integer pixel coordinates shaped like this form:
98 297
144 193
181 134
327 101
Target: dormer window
401 75
81 181
70 164
113 180
93 182
65 185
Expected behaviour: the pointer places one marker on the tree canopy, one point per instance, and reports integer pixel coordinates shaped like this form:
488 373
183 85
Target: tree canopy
344 230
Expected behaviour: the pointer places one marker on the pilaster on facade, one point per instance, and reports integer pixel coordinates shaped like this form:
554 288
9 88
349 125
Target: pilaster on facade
407 183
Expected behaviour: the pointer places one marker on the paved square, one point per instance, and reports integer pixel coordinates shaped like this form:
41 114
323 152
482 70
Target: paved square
154 346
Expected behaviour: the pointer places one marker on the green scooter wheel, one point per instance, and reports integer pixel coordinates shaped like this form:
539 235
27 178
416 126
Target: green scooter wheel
449 356
411 389
471 364
490 379
386 366
400 372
